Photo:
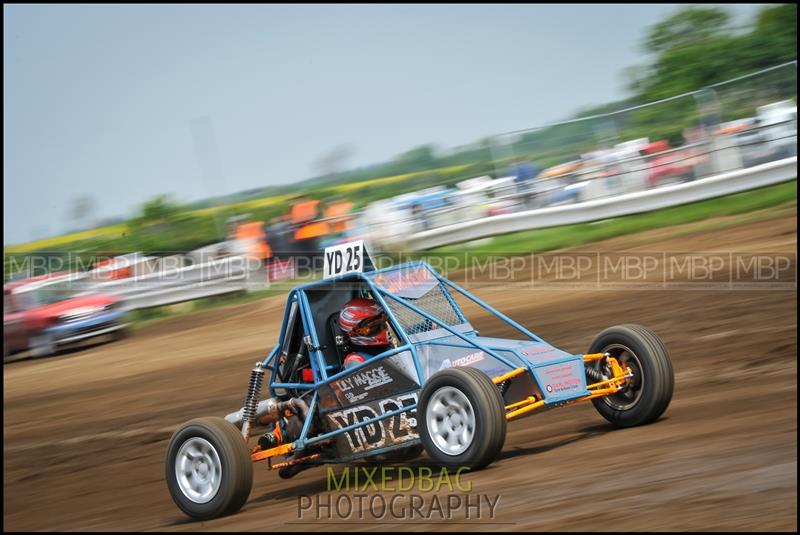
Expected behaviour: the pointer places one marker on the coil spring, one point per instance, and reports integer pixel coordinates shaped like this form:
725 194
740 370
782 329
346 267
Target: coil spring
253 389
504 386
594 374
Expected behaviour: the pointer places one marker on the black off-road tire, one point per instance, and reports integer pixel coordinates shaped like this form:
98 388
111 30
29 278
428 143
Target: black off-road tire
653 382
488 417
122 334
236 467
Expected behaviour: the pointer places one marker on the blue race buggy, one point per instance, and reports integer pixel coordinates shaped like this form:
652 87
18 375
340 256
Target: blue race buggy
441 387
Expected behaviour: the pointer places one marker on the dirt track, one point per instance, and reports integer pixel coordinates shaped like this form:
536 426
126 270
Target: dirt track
85 433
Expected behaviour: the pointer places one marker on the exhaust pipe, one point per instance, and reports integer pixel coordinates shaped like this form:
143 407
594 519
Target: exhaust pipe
269 411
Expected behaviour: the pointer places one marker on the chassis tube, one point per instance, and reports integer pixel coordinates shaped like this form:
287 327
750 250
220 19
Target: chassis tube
377 292
473 343
299 444
488 307
311 330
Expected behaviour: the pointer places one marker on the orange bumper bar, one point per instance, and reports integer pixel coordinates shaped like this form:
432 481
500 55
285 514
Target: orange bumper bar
596 390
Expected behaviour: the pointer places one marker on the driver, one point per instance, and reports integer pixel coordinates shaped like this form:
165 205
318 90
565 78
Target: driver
364 323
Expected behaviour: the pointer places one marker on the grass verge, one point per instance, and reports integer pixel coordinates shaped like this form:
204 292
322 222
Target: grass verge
571 235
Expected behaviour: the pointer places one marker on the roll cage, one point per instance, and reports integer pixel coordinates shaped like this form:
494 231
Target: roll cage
390 287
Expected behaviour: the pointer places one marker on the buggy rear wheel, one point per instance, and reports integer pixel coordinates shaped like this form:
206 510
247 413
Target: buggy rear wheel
461 418
648 393
208 468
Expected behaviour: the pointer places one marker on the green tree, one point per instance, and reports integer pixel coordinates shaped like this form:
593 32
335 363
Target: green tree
417 159
696 47
689 26
159 210
775 34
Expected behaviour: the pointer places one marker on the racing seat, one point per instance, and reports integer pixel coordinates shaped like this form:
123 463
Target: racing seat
338 340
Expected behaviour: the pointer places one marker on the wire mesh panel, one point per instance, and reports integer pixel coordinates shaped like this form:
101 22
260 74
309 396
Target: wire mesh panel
435 303
418 287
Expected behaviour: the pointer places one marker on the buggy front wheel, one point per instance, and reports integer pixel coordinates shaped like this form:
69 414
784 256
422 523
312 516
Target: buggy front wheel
648 392
208 468
461 418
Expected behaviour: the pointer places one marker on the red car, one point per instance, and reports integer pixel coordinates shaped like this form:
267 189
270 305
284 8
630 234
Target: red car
667 166
43 313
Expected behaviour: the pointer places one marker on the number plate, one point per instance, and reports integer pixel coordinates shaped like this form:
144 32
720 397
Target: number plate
344 258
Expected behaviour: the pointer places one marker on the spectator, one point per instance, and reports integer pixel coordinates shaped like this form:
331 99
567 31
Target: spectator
524 174
419 215
279 238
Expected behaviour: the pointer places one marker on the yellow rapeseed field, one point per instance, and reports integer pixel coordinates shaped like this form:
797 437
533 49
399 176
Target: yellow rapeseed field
113 231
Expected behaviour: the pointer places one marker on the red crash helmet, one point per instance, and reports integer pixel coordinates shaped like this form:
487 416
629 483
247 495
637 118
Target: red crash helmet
364 322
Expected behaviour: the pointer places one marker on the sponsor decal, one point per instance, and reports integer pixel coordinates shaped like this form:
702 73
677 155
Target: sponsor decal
466 360
541 353
564 386
352 397
412 283
562 378
366 380
536 350
397 428
366 385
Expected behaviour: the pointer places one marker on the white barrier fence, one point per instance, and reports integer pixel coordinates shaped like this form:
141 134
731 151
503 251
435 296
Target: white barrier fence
238 273
630 203
226 275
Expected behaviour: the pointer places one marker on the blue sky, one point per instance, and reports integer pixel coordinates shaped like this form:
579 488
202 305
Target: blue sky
99 100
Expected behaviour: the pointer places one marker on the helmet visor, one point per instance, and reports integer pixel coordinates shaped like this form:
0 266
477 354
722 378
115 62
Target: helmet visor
370 326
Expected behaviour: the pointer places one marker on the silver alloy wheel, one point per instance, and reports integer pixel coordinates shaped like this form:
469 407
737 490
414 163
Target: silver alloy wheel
451 420
629 397
198 470
42 345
